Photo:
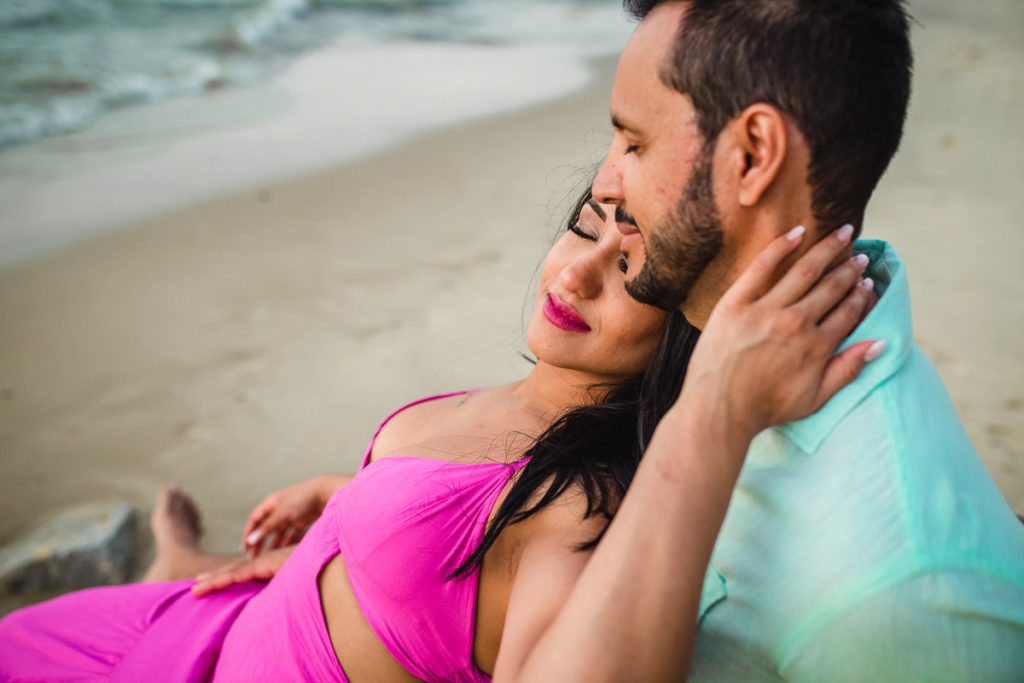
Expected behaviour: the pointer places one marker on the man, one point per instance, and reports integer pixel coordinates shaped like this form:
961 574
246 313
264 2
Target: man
865 542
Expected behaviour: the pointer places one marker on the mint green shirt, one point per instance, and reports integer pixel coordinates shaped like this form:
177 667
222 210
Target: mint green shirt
867 543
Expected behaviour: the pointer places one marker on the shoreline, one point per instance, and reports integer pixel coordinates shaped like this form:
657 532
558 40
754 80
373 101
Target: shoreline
141 162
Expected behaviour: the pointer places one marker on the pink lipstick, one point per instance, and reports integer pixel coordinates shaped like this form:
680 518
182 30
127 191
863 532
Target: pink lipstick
562 316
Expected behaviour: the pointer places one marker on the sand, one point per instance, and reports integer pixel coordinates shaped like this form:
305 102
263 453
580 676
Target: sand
249 341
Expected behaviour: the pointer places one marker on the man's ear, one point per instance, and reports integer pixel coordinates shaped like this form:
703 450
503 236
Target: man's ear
759 144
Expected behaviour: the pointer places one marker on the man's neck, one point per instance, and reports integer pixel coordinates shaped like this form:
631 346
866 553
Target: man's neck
709 288
697 309
731 263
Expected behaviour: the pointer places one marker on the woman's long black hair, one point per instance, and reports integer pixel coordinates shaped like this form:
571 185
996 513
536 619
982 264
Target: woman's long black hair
599 446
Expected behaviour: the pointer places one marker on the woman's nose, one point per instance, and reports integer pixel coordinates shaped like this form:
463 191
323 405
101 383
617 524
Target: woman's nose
584 276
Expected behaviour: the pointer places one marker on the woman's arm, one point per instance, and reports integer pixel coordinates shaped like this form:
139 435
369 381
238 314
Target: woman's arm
631 612
765 357
283 516
262 568
626 611
272 530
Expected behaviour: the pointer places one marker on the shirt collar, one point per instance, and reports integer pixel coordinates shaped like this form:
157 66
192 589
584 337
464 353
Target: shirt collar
889 320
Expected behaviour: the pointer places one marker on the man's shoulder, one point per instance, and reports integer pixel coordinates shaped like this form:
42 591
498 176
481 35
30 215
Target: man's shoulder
895 476
908 414
922 465
879 504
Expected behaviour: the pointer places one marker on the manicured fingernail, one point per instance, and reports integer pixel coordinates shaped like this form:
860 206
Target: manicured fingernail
252 538
860 260
875 350
845 233
796 233
867 284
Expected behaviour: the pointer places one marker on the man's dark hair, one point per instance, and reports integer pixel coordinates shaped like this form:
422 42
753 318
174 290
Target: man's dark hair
840 69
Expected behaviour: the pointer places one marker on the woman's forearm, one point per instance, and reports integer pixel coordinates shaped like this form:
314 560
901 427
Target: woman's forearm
633 613
328 484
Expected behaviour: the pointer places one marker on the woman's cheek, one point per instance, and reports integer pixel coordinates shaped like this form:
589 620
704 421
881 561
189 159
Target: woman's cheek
646 334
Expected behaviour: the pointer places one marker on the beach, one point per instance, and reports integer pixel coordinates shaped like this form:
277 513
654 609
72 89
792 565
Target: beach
238 343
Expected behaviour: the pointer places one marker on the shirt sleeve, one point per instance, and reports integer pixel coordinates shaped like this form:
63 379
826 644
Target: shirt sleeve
949 626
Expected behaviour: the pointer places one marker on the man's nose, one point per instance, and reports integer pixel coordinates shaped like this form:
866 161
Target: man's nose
607 187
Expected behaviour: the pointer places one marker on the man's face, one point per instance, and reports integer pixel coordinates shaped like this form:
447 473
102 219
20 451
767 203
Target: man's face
658 171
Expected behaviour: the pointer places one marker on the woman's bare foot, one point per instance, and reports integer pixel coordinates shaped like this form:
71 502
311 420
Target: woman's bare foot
176 522
177 527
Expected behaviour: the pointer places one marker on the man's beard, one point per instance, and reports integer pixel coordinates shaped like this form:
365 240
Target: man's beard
679 249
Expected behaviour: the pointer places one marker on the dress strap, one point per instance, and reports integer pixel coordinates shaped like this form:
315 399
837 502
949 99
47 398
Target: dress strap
520 463
425 399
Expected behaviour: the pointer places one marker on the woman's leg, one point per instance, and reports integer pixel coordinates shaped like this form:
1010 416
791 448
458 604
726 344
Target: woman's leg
177 528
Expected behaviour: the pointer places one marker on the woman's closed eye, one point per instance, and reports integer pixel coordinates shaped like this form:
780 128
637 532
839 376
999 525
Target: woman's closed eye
622 263
577 230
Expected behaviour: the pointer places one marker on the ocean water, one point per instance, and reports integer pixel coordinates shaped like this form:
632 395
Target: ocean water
65 63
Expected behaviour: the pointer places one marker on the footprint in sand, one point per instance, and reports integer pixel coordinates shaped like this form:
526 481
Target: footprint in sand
242 362
377 329
940 357
973 54
196 430
1005 436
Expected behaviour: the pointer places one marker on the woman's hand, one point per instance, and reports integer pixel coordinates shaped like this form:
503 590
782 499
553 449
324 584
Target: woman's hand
283 516
261 568
765 356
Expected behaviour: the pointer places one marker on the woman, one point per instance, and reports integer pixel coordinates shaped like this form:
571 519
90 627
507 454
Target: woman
454 547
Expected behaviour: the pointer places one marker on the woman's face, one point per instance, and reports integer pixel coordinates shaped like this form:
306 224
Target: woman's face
583 319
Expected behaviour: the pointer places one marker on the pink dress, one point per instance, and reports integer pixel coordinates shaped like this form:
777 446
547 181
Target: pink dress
402 525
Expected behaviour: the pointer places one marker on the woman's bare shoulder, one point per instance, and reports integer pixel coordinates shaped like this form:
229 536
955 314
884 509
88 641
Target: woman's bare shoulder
416 422
567 521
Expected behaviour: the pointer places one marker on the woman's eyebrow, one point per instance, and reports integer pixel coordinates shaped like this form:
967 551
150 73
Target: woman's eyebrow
592 203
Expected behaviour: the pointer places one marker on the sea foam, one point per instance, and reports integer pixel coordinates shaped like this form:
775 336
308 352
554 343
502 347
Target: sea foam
356 93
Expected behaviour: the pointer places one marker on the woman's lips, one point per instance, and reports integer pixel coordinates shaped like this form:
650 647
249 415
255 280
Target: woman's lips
562 316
